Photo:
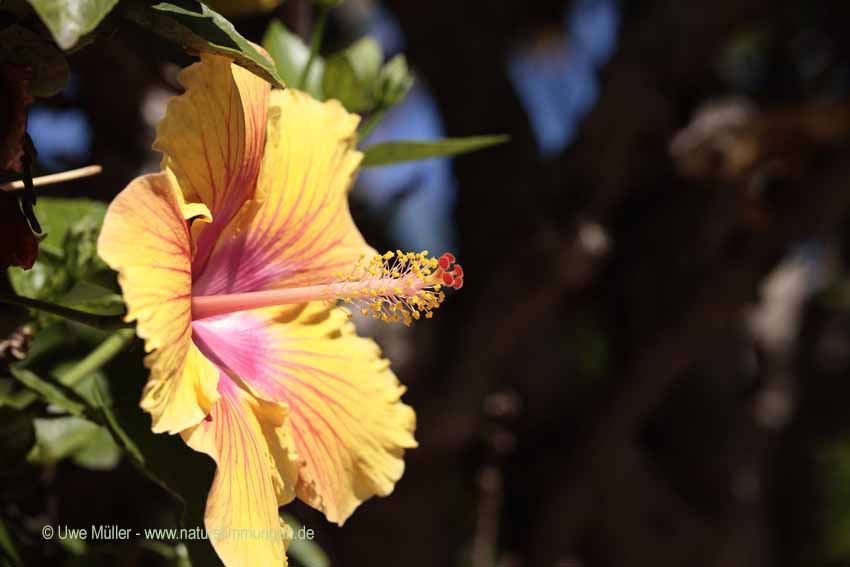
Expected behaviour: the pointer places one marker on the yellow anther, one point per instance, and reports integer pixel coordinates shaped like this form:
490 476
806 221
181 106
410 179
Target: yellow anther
397 286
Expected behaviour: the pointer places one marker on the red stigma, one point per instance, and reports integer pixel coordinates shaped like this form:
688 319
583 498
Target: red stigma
451 273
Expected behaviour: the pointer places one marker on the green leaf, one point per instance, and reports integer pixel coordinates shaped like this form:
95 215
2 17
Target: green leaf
7 395
45 341
47 64
77 547
68 20
74 384
100 412
128 443
17 436
290 55
303 548
396 152
196 27
80 248
365 56
83 383
351 76
340 82
87 444
394 82
52 393
99 322
59 216
47 279
99 454
118 433
43 348
92 298
69 256
8 553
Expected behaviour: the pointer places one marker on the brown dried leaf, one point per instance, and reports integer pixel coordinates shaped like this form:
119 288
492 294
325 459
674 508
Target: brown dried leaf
15 100
18 244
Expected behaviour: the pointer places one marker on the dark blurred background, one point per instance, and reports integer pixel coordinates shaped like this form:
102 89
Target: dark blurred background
649 363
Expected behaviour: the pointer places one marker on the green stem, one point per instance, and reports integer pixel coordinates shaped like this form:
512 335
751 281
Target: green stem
103 322
104 352
370 123
315 43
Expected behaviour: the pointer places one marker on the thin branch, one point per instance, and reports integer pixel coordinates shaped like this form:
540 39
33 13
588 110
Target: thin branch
102 322
54 178
105 351
370 123
315 44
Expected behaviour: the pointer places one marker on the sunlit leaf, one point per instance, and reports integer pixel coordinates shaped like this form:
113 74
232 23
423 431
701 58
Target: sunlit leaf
80 248
290 55
69 257
67 21
395 152
58 216
340 83
365 56
351 75
394 81
197 27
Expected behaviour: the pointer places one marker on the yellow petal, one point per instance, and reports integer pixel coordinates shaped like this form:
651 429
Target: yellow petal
349 426
299 229
212 138
245 437
146 240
